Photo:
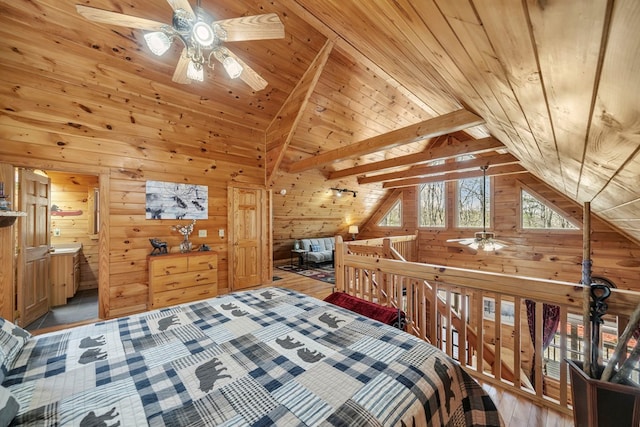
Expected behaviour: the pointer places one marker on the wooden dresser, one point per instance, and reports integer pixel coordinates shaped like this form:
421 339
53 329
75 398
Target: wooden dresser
179 278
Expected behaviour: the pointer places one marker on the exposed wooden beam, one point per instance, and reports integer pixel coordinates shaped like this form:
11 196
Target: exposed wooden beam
455 167
281 129
451 149
492 171
451 122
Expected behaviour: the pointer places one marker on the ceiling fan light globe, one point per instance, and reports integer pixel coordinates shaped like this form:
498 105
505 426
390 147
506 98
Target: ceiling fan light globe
203 34
195 71
157 42
233 67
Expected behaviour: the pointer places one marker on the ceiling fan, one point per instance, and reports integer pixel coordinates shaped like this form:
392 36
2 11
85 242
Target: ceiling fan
483 240
202 37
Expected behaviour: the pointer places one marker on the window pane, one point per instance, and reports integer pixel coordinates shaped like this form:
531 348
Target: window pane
536 214
431 206
393 218
470 202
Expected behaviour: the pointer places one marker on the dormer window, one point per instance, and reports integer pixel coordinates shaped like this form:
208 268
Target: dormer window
538 215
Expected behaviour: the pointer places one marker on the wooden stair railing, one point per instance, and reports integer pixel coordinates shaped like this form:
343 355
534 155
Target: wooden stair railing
389 252
446 304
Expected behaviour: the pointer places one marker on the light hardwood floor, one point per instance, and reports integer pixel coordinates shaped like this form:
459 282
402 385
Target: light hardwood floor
516 411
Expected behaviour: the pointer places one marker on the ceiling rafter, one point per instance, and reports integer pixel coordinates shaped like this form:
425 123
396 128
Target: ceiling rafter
282 128
436 126
453 147
452 167
452 176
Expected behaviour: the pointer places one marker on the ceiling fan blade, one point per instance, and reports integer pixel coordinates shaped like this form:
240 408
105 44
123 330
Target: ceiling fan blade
466 241
180 74
255 27
249 76
181 4
115 18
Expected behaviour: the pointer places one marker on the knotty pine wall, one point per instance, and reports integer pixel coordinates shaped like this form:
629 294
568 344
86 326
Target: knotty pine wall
310 209
547 254
71 192
127 141
7 243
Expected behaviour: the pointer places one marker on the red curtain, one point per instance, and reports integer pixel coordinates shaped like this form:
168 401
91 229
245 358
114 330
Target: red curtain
551 318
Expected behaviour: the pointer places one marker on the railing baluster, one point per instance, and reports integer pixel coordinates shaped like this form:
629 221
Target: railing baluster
517 343
480 333
447 319
537 354
563 353
422 319
462 333
497 338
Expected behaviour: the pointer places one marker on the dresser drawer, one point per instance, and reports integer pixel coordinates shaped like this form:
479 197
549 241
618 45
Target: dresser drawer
201 262
179 296
164 267
181 278
184 280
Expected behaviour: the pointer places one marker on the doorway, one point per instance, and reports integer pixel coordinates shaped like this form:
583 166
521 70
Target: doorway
249 239
73 219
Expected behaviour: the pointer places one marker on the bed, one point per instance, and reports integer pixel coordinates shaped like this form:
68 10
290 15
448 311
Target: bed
265 357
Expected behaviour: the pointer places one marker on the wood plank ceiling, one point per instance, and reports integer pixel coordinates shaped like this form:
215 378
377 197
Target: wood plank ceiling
358 87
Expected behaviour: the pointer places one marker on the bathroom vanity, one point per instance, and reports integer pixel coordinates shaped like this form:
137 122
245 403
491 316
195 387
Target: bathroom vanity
65 272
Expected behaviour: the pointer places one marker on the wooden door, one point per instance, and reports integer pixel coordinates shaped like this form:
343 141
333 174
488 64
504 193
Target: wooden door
248 236
33 243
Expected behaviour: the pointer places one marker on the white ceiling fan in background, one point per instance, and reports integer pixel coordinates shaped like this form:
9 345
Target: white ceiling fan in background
482 240
202 37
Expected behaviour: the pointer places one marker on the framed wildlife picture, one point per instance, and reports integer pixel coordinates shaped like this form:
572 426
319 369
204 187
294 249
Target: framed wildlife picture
170 200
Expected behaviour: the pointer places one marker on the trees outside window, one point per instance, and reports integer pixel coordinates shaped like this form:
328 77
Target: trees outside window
538 215
431 205
470 201
393 217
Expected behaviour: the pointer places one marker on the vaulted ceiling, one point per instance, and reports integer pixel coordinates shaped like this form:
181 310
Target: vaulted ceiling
550 86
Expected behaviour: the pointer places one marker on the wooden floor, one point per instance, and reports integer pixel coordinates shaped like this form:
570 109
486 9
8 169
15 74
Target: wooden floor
516 411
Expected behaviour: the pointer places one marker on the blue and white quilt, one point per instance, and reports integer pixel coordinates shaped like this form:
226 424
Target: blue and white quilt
265 357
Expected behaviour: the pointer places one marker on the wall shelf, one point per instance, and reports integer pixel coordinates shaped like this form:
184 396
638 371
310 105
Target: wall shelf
7 218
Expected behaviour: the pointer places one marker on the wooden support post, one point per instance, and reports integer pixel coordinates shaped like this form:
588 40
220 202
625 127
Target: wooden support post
339 264
586 282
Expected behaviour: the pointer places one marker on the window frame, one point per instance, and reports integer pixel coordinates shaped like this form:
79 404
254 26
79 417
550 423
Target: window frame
488 213
445 193
543 200
398 202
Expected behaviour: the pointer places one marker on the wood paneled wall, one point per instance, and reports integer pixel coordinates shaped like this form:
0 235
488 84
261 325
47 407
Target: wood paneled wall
549 254
128 141
310 209
7 243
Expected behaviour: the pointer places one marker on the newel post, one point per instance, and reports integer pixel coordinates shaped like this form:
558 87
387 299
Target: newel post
341 250
386 248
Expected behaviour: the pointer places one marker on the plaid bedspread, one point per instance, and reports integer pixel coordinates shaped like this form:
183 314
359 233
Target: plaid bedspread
261 358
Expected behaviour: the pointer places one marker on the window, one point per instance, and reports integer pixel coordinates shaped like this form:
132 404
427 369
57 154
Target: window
507 310
431 205
537 215
470 202
393 218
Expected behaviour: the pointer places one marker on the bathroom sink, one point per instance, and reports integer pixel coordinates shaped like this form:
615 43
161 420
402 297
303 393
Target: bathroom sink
65 248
